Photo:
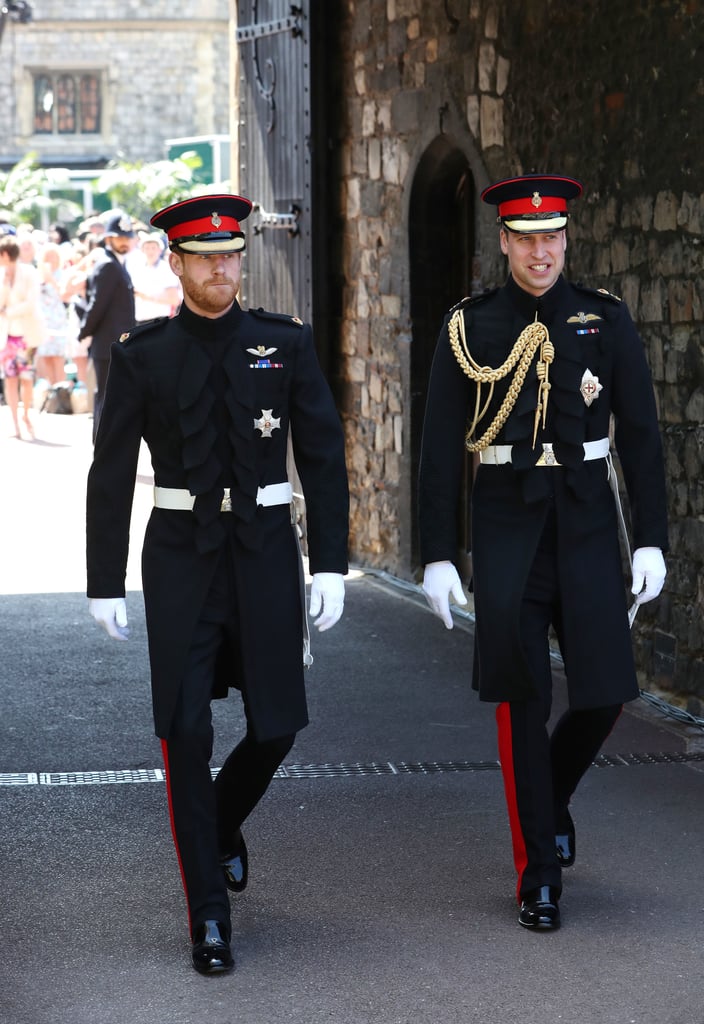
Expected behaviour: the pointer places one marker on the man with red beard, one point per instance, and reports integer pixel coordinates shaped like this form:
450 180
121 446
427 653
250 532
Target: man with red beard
214 392
527 378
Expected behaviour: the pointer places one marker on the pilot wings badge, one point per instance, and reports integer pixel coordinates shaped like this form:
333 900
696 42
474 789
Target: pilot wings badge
260 350
583 318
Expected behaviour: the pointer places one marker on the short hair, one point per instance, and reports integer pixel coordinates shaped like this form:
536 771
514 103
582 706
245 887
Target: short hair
9 245
62 231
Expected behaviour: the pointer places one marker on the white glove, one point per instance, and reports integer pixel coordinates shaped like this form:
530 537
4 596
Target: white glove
111 614
441 579
648 574
327 592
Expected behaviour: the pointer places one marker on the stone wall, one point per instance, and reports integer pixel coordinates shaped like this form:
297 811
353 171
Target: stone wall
609 92
164 71
649 250
397 65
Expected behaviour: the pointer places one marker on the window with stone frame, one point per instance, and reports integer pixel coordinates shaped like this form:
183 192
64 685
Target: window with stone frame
67 103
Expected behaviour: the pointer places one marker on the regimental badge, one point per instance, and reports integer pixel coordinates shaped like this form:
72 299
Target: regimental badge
216 220
266 422
590 387
537 200
297 320
583 318
548 458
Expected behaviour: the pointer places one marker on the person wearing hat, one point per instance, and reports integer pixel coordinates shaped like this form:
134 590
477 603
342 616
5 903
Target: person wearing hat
156 288
527 378
215 392
90 227
109 305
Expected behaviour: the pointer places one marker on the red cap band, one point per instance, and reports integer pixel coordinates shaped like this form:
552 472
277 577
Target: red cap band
532 204
202 226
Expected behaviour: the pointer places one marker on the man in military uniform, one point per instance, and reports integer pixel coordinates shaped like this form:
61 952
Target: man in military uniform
214 393
528 377
109 306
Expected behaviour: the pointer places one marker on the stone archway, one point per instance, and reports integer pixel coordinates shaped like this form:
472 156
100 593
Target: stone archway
443 269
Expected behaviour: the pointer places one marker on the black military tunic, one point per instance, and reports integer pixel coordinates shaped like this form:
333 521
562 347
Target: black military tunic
592 333
177 383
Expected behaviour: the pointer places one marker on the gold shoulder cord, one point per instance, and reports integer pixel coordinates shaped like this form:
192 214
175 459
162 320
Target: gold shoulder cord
531 338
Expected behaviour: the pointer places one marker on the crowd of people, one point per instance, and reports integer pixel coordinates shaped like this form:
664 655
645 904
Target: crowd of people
53 301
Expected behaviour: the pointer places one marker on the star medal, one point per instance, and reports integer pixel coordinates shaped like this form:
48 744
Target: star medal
266 422
590 387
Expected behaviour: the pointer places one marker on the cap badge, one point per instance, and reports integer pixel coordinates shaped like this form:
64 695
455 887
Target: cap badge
266 422
124 223
537 200
216 220
590 387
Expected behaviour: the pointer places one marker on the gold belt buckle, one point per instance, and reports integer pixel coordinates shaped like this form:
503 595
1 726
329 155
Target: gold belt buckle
226 503
548 457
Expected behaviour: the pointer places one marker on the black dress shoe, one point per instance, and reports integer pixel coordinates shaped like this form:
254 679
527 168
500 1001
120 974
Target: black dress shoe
235 867
566 841
211 951
539 909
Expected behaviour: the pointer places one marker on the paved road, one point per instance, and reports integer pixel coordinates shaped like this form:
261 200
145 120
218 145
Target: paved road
381 881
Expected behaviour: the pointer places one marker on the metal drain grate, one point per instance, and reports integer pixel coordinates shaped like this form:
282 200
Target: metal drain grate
101 778
315 771
327 771
669 757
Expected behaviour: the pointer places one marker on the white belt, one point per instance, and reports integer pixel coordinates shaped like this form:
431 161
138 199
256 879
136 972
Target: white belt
180 499
500 454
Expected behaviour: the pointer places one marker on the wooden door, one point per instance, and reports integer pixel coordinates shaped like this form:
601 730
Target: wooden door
273 38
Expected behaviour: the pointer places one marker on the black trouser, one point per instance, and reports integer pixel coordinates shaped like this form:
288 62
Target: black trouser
206 816
541 772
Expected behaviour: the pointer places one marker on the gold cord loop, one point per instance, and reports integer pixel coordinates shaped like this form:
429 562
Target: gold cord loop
547 354
533 337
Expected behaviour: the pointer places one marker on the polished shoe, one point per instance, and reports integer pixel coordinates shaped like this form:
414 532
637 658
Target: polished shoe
235 867
566 841
211 951
539 909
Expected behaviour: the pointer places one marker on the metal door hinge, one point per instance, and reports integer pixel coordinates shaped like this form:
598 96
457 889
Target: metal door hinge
293 23
281 221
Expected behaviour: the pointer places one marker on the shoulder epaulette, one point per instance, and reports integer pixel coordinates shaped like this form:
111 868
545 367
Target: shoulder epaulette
473 300
601 293
281 317
145 325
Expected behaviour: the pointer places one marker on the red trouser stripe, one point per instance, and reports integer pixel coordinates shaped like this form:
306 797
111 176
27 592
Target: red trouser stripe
165 754
505 738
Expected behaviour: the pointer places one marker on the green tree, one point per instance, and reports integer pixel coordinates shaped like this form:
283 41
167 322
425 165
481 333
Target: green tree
141 188
24 191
